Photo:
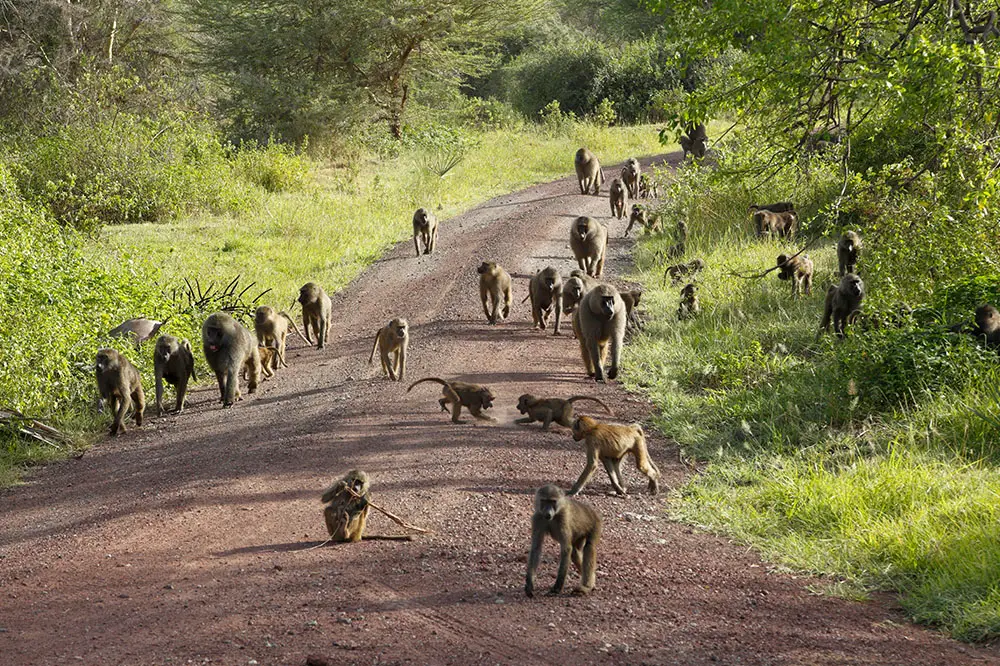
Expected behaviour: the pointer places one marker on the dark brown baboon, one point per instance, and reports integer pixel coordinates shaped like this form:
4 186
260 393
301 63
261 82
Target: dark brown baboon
678 249
689 307
545 291
228 347
631 173
609 444
678 272
618 197
647 187
173 362
638 216
848 249
473 397
843 303
588 239
799 270
577 528
119 383
631 299
599 323
551 410
425 229
588 171
696 141
784 225
271 329
778 207
393 338
574 288
317 312
987 325
494 283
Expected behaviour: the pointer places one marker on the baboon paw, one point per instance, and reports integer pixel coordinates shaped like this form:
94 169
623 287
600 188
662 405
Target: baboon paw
581 592
553 592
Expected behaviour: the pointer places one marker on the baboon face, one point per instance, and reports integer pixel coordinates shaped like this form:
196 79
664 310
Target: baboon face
578 430
214 337
548 501
582 227
399 326
357 481
264 313
636 297
688 291
422 218
487 398
608 306
854 286
161 354
486 267
523 401
696 265
987 318
308 293
106 360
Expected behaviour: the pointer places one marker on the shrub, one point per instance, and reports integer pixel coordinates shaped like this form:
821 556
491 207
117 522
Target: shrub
275 167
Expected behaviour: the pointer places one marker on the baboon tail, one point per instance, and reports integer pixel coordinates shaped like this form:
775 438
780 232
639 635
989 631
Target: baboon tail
526 298
371 357
430 379
292 322
587 397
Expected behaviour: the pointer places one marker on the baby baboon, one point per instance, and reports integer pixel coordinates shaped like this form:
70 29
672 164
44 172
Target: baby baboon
618 198
545 291
843 303
848 249
639 215
696 141
578 284
588 171
599 322
677 272
228 347
588 239
494 282
474 397
647 187
577 528
987 325
631 299
272 329
776 224
778 207
799 269
689 307
119 383
425 228
393 338
678 249
609 444
631 173
270 359
173 362
317 311
551 410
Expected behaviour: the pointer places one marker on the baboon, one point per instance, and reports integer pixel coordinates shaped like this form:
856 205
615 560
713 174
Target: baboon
778 207
228 347
139 330
393 338
678 249
848 249
494 282
696 141
639 215
777 224
599 322
425 229
173 362
347 506
577 528
473 397
689 307
317 311
271 328
677 272
799 269
545 291
631 299
551 410
588 239
987 325
631 173
647 187
578 284
610 443
843 303
618 197
270 359
588 171
119 383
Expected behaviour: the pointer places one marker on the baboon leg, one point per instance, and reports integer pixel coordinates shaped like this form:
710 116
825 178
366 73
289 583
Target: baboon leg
578 554
401 360
159 395
139 398
526 419
416 242
585 354
536 314
494 308
558 306
444 402
305 327
583 266
506 302
645 465
232 386
537 536
281 350
599 267
597 352
182 386
547 421
221 378
616 356
456 409
564 557
475 411
585 475
611 468
483 296
124 403
588 570
807 283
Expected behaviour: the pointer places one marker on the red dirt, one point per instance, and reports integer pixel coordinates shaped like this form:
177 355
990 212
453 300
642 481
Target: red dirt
187 541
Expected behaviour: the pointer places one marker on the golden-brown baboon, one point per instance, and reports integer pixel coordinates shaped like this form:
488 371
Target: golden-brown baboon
228 347
494 282
551 410
545 292
270 359
610 443
271 328
173 362
347 506
474 397
599 323
638 215
393 338
631 299
588 239
577 528
425 229
119 383
574 288
647 187
778 207
689 307
317 312
678 272
769 224
631 173
799 270
848 249
588 171
618 197
843 304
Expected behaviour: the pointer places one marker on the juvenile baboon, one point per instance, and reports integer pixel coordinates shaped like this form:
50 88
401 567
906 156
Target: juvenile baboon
678 249
769 224
551 410
647 187
696 141
347 506
119 383
173 362
588 239
843 303
545 291
799 269
588 171
270 359
848 249
610 443
631 299
393 338
577 528
777 207
317 312
578 284
494 282
987 325
138 330
425 229
631 173
228 347
678 272
639 215
473 397
618 197
599 322
689 307
271 328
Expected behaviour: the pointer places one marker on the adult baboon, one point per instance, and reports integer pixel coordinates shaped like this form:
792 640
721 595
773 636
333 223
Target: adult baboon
494 283
599 323
769 224
228 347
848 250
577 528
647 187
639 215
696 141
392 339
610 443
588 171
689 306
843 303
574 288
545 291
173 362
271 328
588 239
987 325
631 173
677 272
317 312
119 383
474 397
551 410
777 207
425 229
799 270
618 197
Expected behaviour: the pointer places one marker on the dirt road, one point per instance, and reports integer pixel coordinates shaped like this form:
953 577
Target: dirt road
188 541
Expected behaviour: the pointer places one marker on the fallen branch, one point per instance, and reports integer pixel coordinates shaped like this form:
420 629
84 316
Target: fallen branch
757 276
32 428
391 516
